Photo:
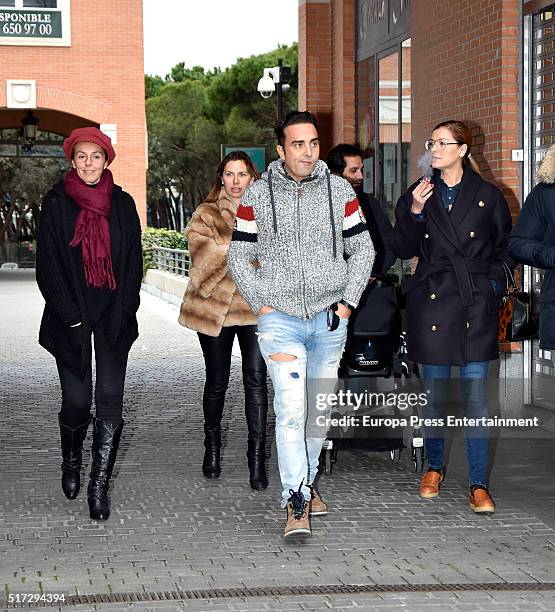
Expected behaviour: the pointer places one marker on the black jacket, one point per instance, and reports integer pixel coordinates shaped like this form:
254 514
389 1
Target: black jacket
452 308
380 229
533 242
60 278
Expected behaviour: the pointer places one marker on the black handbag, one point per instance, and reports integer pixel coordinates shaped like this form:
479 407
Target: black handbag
516 322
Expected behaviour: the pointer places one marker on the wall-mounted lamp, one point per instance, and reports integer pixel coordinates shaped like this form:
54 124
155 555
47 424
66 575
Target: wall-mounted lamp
28 131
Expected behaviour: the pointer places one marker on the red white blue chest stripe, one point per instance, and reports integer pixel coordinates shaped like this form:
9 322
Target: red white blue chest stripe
246 230
245 225
353 222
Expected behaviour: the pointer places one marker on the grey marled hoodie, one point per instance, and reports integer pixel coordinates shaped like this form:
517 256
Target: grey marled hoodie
299 232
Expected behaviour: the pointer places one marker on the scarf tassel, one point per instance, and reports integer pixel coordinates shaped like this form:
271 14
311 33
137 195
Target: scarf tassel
99 273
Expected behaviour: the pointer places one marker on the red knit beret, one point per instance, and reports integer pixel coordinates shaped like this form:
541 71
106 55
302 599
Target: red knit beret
89 134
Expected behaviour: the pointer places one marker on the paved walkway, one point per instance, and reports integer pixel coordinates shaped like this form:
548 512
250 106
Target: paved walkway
171 530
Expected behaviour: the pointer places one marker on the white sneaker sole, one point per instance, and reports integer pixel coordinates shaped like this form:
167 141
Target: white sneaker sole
321 513
300 531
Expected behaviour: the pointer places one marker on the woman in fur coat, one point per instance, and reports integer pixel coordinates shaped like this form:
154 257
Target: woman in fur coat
213 308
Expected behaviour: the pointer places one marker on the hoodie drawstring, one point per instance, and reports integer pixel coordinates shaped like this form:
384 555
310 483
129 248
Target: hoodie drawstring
331 215
272 201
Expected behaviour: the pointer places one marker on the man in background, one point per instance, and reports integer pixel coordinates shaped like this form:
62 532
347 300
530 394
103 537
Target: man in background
345 160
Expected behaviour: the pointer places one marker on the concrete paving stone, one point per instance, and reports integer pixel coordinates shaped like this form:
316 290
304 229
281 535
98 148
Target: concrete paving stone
170 526
252 604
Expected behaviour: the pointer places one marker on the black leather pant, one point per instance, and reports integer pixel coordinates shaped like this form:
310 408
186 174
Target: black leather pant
217 359
108 394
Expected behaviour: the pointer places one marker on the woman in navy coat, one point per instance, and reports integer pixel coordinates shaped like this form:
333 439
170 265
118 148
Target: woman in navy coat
458 225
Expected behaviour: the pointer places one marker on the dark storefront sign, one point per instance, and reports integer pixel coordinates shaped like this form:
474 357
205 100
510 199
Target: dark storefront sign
380 22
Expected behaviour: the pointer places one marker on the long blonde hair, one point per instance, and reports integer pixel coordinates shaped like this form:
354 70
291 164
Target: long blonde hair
462 134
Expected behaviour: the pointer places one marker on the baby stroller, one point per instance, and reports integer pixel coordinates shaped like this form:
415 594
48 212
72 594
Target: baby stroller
374 362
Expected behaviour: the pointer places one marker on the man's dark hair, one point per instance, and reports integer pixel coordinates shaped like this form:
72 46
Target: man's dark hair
292 118
336 157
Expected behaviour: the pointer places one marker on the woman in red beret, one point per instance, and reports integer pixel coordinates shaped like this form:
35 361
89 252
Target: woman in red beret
89 270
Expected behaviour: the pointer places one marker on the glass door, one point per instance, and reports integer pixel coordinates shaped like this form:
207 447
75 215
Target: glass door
541 129
393 133
388 177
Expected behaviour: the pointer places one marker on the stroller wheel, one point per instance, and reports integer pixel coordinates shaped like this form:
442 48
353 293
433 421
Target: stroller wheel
418 459
329 463
326 461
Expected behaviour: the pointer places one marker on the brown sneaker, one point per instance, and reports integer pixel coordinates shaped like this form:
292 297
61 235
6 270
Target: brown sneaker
298 522
317 506
429 485
480 501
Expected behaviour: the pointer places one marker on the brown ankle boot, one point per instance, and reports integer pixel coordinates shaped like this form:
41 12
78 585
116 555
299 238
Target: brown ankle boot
429 485
480 500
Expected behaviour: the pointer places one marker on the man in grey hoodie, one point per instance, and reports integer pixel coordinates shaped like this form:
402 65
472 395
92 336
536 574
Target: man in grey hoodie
298 221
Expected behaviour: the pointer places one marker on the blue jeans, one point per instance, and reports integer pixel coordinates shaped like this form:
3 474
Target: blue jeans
474 397
317 352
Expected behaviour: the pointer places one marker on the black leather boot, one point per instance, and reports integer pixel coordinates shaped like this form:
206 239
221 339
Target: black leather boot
256 456
72 456
106 437
213 406
256 410
211 467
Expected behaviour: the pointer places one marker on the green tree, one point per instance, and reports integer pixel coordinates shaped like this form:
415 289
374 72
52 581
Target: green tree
180 73
153 85
24 182
191 113
183 151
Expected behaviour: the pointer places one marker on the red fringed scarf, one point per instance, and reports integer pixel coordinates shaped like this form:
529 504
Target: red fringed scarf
92 231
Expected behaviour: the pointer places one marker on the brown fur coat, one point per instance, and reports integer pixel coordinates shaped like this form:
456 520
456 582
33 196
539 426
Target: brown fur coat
211 300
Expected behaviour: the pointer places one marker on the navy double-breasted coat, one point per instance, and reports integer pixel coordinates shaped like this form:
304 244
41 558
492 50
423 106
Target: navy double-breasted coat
452 306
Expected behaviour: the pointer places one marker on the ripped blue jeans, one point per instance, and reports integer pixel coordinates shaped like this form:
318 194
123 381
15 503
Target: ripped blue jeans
317 352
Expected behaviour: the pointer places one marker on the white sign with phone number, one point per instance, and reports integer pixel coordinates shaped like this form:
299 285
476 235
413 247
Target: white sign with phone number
44 27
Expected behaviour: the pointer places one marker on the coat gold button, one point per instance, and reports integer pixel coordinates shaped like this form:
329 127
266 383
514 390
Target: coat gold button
426 235
481 204
472 234
433 296
434 327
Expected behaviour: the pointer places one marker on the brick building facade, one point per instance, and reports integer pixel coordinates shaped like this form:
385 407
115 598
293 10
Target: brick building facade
382 73
94 76
446 58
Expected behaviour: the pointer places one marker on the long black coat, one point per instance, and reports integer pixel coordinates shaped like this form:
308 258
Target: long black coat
60 278
533 243
380 229
452 309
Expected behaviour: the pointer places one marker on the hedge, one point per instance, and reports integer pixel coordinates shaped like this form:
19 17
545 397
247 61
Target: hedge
169 239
